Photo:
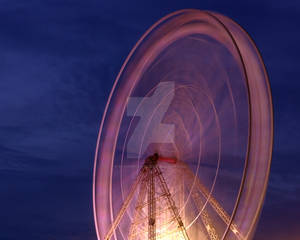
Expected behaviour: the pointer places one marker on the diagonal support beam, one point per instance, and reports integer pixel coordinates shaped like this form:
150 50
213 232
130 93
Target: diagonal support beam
171 202
126 203
212 201
138 208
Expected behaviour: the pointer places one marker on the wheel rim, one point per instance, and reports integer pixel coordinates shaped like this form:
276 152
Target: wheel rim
178 57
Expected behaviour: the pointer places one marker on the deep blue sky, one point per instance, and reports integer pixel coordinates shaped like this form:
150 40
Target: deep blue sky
58 62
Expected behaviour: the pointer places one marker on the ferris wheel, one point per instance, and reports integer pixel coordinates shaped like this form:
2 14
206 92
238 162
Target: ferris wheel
185 143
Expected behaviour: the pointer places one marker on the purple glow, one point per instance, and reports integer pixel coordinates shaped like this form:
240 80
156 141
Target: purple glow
220 109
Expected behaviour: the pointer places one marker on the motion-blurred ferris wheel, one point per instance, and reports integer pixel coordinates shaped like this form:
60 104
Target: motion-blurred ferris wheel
185 143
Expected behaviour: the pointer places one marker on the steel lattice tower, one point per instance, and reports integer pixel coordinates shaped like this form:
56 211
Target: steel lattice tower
155 205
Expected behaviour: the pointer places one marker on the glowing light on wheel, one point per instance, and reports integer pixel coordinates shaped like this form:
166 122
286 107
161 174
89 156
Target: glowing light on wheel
194 91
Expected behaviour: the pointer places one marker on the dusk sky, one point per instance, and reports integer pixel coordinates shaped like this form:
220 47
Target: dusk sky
59 61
